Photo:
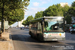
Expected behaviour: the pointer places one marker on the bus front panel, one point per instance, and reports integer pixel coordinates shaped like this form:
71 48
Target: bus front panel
54 36
54 29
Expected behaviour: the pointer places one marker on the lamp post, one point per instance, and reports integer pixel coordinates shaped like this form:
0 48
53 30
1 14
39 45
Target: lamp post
17 23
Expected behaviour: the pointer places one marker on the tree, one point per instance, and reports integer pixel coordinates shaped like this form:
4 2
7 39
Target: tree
29 18
65 8
13 13
71 13
65 11
16 15
58 10
71 10
25 22
73 4
54 10
38 14
68 19
7 6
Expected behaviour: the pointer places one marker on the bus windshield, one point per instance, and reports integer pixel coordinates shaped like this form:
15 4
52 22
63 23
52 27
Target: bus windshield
52 24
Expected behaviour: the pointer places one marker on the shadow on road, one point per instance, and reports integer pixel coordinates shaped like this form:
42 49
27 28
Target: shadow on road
23 36
28 38
73 33
34 43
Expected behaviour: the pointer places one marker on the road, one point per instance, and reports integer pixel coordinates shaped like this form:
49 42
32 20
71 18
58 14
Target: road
23 41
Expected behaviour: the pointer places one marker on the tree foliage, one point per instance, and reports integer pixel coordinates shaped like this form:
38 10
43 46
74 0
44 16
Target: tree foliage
71 10
65 14
54 10
65 9
13 10
73 4
68 19
70 13
58 10
29 18
24 22
16 15
38 14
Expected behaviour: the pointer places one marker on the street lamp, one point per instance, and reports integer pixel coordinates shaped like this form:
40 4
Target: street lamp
17 23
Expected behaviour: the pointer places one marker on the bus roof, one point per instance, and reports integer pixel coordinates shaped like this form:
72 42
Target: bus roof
40 19
53 16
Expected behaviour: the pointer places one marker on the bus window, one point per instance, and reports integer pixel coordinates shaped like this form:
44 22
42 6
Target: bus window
39 26
33 26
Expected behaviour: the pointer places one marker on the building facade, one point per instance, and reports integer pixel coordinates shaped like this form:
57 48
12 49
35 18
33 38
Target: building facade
20 23
63 4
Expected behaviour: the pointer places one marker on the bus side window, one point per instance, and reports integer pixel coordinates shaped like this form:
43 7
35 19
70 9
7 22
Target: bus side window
39 26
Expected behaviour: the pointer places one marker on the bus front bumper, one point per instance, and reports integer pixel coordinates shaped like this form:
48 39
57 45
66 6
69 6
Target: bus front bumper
53 39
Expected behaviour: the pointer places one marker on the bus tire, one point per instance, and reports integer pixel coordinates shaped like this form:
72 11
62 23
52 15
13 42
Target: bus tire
38 37
30 33
31 36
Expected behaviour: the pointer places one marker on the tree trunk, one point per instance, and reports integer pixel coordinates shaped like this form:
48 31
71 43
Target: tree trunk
2 22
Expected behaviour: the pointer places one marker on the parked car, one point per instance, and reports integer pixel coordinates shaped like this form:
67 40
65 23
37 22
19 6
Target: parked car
27 27
72 29
22 28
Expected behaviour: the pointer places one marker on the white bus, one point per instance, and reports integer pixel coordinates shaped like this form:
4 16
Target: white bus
48 28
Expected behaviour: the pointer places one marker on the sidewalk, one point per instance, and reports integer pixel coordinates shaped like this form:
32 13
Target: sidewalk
6 43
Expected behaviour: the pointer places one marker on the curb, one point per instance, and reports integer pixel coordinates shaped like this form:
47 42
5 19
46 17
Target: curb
7 44
11 46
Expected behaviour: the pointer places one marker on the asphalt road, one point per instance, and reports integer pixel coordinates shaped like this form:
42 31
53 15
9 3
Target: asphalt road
23 41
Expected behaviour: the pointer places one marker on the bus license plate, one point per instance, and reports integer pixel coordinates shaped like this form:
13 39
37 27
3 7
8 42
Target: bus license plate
54 34
54 39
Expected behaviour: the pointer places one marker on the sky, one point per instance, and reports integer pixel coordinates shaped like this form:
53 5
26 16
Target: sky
41 5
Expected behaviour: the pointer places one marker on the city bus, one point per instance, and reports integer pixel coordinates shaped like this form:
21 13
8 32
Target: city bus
48 28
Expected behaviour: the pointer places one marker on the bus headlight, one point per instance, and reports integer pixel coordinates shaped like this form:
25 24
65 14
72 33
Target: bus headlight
59 34
59 18
63 35
45 35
